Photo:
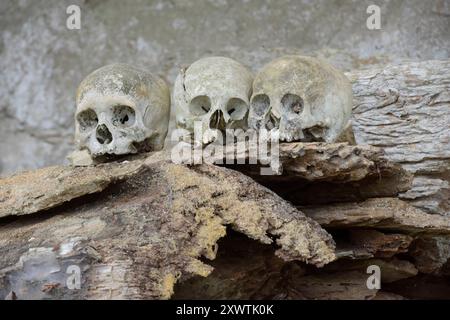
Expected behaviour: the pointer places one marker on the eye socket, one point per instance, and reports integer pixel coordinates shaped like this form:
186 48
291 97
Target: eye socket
236 108
87 119
292 103
260 104
123 116
200 105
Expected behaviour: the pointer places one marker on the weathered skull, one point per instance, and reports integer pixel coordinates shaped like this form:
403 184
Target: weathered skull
215 91
120 110
305 98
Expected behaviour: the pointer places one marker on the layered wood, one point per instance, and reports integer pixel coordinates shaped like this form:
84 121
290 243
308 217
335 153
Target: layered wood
148 228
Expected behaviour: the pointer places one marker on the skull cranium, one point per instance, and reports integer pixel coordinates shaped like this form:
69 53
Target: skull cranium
214 91
121 110
305 98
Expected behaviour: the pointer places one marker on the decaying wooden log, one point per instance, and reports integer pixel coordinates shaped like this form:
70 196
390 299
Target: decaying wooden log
142 233
368 243
315 173
141 227
405 109
46 188
318 161
382 213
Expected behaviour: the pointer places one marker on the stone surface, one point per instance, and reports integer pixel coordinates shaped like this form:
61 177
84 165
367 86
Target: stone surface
138 236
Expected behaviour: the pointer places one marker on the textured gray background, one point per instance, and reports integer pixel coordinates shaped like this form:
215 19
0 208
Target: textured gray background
42 62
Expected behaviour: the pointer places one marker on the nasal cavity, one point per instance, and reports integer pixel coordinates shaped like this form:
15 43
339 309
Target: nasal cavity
103 134
217 120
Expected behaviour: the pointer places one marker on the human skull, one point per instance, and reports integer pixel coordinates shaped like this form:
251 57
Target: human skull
214 91
121 110
304 98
